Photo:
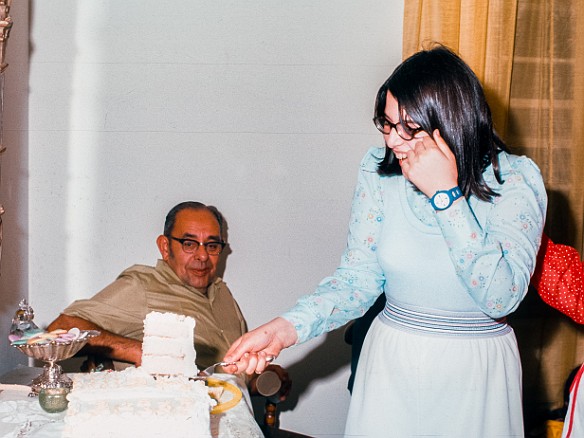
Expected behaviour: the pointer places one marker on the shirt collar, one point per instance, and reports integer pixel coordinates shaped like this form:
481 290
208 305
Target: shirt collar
172 278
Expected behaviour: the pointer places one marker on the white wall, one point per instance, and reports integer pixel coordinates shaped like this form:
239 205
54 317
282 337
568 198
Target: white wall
261 108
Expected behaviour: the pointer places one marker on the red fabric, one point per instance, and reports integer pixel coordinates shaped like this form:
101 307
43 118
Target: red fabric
559 278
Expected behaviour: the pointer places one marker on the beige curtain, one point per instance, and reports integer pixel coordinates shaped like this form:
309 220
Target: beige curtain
480 31
530 57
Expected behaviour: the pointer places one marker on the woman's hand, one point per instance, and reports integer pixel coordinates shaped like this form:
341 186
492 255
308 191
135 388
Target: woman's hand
431 165
252 349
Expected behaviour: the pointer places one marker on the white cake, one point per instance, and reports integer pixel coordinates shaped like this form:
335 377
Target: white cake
168 345
133 403
155 400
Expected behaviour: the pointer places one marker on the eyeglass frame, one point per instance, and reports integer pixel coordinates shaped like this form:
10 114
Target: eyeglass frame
377 121
221 243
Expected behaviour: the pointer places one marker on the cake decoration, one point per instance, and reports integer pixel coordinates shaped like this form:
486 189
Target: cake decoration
168 346
157 399
135 403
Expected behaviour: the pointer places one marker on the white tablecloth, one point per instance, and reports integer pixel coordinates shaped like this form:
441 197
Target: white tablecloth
238 422
22 416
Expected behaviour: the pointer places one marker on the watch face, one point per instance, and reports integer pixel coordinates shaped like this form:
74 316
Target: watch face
441 200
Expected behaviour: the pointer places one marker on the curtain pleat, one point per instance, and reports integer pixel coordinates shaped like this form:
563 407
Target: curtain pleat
529 55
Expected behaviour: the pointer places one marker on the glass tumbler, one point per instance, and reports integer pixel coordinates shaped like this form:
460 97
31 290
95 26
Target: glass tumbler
54 400
269 384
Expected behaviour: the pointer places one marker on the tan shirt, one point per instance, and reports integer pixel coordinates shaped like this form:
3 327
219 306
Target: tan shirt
122 307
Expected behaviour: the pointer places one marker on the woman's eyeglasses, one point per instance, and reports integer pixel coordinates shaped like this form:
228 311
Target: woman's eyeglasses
404 131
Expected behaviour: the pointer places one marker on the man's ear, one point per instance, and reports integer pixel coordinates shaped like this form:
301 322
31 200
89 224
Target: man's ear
163 246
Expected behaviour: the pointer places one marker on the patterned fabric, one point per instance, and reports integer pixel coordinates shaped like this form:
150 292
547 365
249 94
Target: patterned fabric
468 266
559 278
491 248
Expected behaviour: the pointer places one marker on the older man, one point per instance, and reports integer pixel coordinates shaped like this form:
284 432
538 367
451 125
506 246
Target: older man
183 282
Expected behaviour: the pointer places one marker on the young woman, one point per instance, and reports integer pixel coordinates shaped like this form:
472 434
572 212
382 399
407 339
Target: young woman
447 223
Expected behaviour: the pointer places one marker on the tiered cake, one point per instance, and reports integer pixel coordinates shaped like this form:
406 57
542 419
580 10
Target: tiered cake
155 401
168 345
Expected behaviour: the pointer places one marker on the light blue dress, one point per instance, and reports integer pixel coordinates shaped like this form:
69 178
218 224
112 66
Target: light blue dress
440 359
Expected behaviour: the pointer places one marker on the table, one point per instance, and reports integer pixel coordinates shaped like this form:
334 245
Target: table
22 416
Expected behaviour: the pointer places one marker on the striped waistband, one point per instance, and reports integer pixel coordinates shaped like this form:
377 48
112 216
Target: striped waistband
443 322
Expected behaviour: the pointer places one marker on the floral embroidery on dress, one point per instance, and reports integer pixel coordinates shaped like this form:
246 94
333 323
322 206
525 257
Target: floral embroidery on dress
495 304
420 205
492 245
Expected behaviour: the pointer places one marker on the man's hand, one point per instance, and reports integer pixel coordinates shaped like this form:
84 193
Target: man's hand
107 344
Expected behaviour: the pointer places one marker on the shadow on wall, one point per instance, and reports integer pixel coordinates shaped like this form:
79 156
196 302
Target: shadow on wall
323 361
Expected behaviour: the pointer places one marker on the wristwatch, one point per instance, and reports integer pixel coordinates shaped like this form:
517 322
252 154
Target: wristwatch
443 199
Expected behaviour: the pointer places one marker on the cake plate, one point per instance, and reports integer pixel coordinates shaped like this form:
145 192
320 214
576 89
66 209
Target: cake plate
51 353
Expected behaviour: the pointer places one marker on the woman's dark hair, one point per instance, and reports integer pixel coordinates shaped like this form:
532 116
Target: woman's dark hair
438 90
191 205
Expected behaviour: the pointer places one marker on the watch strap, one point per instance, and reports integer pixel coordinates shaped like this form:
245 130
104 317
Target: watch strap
453 194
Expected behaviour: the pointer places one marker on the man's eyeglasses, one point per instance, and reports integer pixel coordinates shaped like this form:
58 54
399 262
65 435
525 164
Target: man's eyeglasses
404 131
190 245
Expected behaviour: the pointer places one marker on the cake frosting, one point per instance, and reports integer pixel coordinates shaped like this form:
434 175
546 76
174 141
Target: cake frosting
168 345
133 402
155 400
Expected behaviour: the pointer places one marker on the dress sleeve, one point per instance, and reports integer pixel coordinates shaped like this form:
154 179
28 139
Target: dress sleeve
495 261
559 278
359 279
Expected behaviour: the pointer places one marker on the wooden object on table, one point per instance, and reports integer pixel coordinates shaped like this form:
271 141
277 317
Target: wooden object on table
270 415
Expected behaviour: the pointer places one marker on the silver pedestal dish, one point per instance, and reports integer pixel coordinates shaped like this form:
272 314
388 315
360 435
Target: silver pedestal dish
51 353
